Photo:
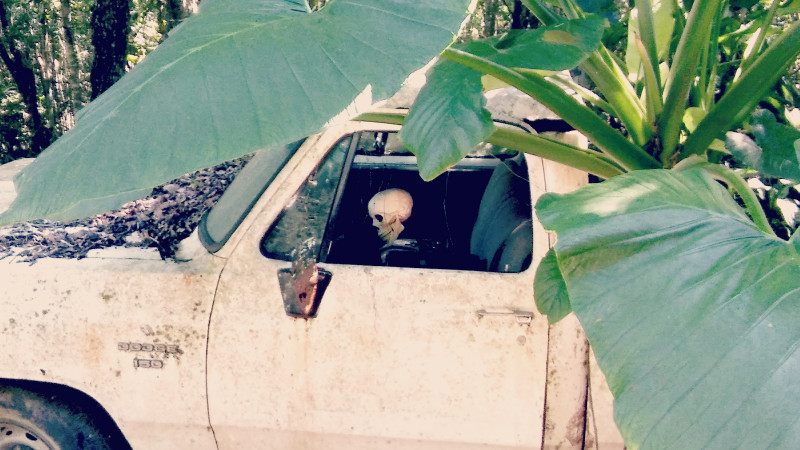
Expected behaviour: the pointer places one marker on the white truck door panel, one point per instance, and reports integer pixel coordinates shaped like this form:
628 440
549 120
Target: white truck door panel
396 357
399 353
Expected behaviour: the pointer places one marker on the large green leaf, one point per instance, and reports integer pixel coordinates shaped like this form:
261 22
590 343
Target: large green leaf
448 118
552 298
691 310
556 47
239 76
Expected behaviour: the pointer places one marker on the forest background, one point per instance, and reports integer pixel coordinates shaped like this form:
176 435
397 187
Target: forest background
56 56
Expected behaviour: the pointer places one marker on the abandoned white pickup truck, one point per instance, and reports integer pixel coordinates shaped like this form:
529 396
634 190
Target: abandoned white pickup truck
430 341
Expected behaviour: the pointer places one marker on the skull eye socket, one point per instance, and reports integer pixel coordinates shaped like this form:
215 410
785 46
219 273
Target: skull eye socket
379 217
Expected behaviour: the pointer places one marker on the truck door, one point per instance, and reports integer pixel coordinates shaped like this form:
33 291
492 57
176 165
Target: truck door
418 344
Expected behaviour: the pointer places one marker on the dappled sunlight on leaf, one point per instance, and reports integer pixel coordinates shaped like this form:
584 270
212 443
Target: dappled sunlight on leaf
449 117
237 77
690 308
613 204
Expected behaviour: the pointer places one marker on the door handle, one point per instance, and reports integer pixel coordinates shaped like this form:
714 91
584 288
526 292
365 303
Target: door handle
522 317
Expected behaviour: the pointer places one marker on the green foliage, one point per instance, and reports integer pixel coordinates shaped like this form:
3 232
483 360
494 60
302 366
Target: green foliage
30 52
462 127
551 288
111 24
13 133
690 308
53 40
237 77
450 115
560 47
774 152
688 299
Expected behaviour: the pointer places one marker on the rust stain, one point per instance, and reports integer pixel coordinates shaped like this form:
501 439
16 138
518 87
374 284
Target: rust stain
94 345
189 279
576 428
107 296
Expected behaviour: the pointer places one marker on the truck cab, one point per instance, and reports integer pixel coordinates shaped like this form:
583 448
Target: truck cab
286 322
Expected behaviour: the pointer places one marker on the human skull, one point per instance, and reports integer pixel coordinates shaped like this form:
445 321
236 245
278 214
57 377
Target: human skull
388 210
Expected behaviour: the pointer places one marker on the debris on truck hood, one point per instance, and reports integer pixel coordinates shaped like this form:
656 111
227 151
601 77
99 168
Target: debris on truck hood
160 220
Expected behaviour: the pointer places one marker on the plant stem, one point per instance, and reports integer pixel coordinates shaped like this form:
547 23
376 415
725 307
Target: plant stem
648 37
735 182
542 11
651 84
554 150
606 138
754 46
586 94
745 94
382 117
610 80
582 159
682 75
614 86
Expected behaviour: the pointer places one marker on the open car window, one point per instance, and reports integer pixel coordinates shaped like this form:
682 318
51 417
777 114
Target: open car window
475 216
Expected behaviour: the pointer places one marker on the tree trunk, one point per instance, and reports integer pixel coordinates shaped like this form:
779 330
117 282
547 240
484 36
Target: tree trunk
110 27
490 17
521 17
21 69
70 68
516 15
46 56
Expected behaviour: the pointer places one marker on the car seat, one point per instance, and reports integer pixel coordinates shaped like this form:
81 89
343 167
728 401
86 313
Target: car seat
502 237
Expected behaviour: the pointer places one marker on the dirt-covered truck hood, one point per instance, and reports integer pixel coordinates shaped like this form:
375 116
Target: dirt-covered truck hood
150 228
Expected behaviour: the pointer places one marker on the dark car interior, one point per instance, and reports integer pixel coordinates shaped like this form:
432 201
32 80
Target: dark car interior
475 216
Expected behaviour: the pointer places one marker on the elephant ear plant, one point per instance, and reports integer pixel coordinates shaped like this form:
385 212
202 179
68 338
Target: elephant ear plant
237 77
689 299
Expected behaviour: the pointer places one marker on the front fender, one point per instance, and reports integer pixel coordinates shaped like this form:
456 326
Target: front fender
131 334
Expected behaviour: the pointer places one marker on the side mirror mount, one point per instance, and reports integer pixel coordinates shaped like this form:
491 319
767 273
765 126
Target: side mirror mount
303 285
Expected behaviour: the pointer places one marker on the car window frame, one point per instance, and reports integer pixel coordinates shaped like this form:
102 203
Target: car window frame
325 240
344 170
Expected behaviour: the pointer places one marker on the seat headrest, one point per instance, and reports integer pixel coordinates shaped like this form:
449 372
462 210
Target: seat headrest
500 231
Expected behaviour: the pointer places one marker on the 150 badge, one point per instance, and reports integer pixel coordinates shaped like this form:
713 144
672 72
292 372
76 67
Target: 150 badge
136 347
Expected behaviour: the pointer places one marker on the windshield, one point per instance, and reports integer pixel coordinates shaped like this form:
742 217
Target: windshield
223 219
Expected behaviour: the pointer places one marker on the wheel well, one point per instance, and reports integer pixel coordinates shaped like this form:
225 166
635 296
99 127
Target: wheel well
77 402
